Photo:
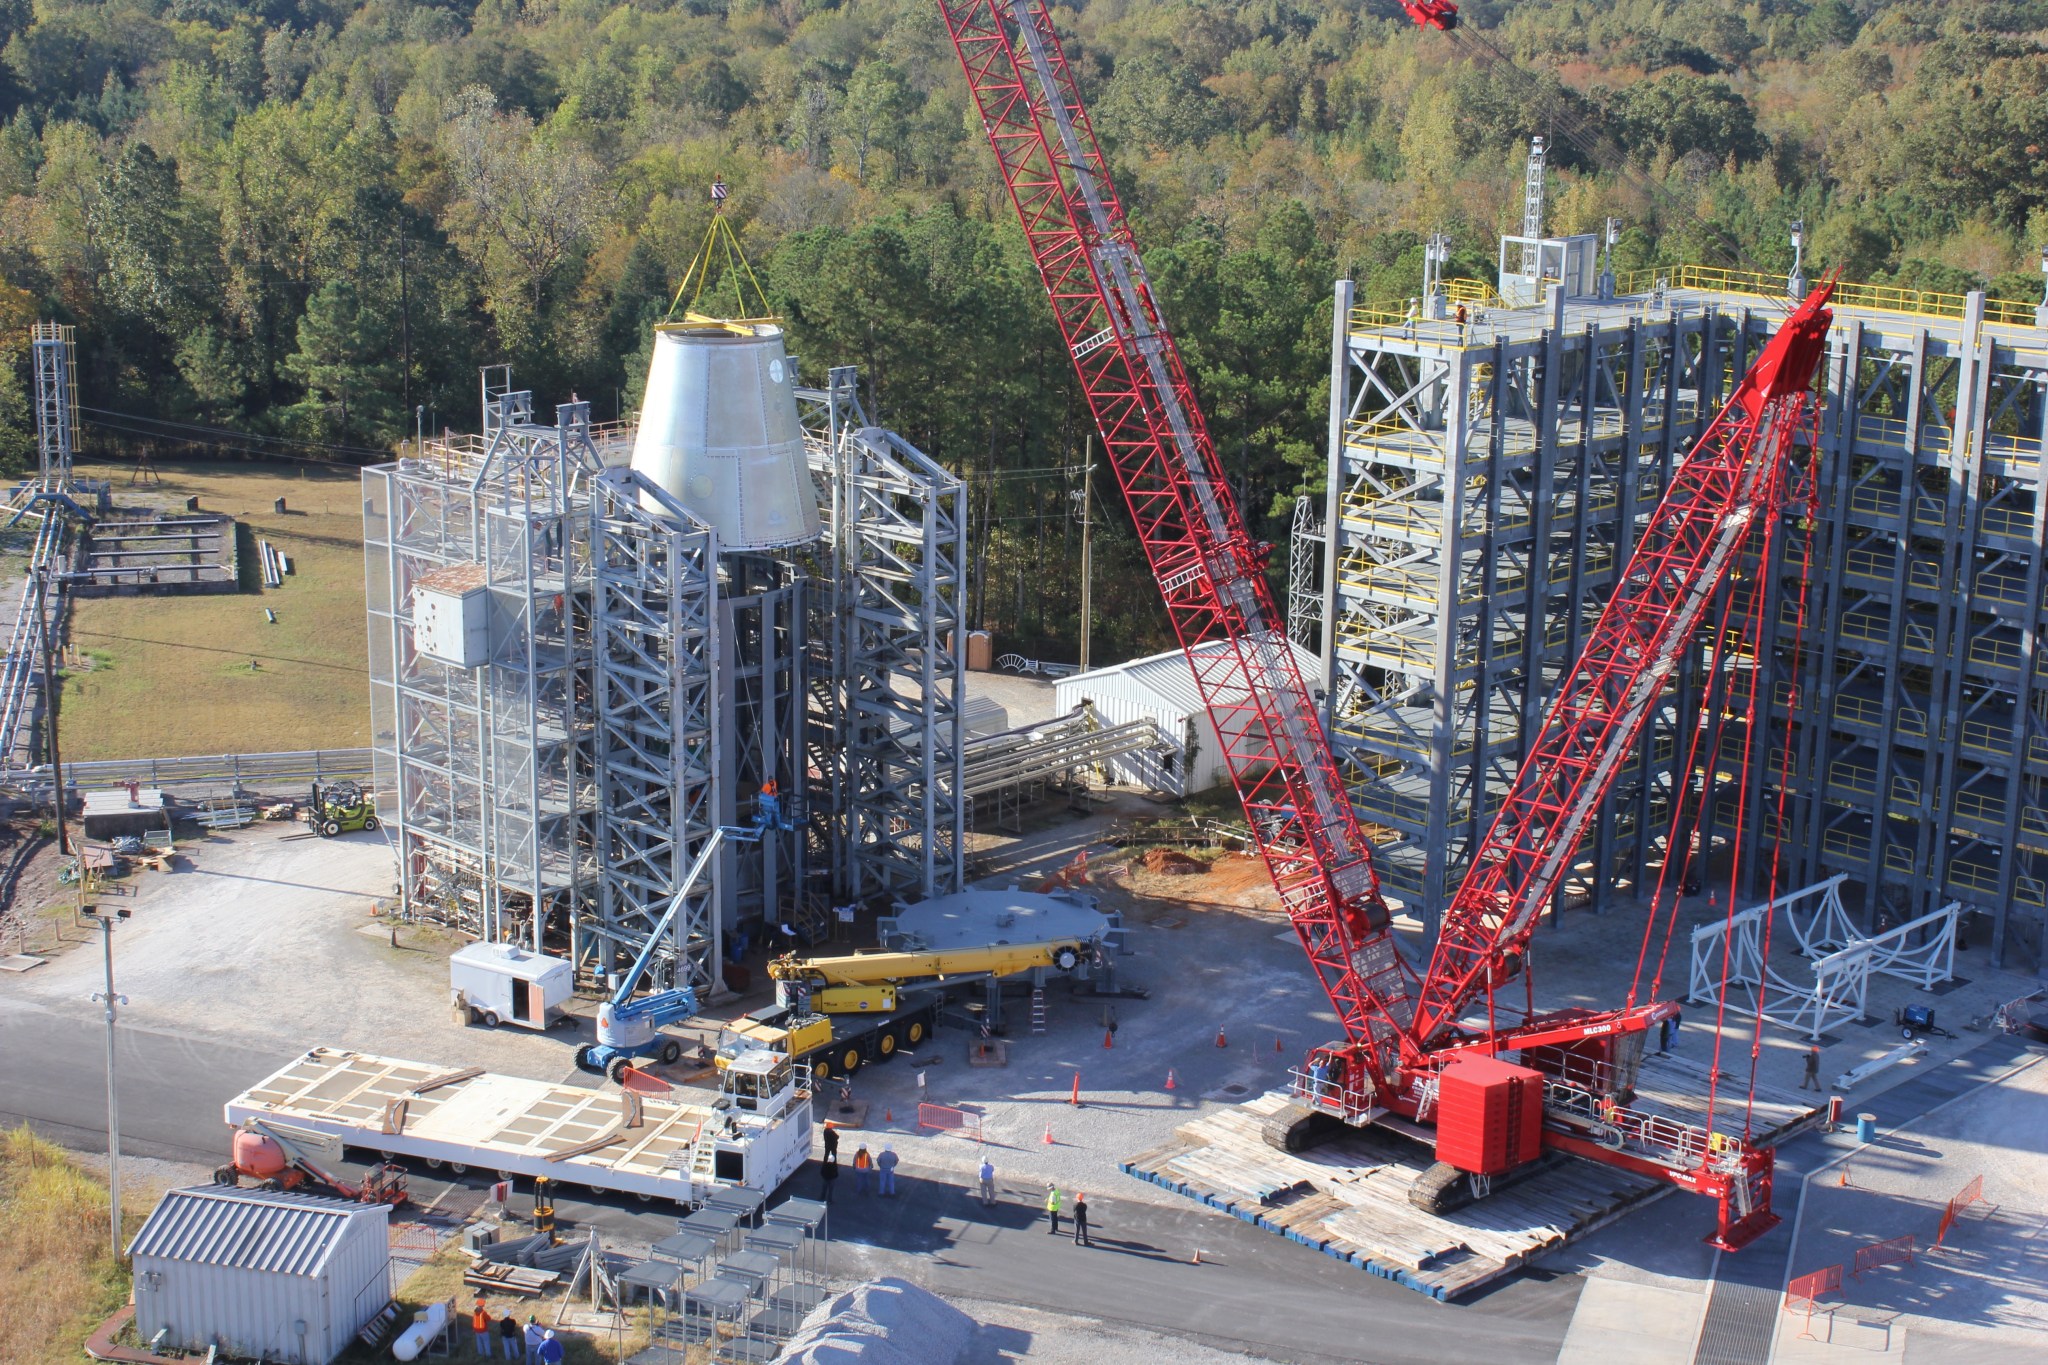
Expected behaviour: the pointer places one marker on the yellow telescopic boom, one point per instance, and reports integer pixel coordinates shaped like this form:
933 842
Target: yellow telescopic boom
866 983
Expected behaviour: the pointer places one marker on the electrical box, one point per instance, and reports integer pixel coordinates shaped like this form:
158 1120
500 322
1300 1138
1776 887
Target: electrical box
451 615
1489 1115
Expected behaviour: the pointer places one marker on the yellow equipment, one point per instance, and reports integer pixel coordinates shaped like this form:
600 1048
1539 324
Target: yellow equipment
868 982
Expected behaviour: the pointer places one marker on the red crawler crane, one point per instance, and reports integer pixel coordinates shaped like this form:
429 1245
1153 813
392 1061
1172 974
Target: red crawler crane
1406 1055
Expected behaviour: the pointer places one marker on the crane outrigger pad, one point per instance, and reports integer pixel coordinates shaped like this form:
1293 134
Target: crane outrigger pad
1349 1197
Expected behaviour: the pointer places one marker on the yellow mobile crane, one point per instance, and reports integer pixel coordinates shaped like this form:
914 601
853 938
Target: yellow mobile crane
840 1013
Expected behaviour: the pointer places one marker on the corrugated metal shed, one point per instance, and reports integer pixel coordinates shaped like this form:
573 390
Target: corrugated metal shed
1161 687
285 1277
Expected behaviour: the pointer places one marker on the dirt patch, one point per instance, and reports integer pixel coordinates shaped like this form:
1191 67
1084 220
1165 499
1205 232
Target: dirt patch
1171 862
1160 879
38 913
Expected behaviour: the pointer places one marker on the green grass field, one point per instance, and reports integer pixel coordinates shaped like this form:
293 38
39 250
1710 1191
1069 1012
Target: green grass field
164 676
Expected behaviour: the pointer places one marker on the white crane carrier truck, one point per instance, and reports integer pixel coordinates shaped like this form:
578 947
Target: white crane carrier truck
756 1132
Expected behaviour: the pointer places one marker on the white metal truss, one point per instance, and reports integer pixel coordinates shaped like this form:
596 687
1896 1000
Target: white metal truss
903 547
56 374
1305 574
655 750
1921 951
483 772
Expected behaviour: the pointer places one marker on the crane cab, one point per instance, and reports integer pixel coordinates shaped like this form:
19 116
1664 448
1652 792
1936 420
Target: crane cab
757 1081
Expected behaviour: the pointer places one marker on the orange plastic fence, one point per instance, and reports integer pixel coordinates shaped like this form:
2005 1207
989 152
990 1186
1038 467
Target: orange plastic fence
1802 1294
1891 1251
1972 1193
950 1120
1802 1291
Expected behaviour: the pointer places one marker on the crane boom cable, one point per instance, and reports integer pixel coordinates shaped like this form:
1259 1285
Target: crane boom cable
1752 630
1804 486
1676 868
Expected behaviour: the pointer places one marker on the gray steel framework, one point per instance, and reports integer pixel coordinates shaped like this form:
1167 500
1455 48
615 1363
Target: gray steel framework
891 696
1482 477
1487 480
655 746
1921 711
1304 575
485 771
642 686
56 380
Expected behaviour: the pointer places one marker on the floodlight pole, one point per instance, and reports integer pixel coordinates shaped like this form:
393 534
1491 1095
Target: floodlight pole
113 1003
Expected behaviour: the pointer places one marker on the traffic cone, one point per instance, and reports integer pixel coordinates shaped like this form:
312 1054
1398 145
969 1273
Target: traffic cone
1169 1078
1108 1038
888 1116
1048 1135
1075 1098
1845 1178
1221 1041
1276 1044
1196 1259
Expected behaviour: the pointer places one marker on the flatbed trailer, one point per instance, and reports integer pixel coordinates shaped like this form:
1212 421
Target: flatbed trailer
756 1132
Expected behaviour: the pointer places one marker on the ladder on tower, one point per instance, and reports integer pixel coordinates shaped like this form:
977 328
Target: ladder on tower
1037 1009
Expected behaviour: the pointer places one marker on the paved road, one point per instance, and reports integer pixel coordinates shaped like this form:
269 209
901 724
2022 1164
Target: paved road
1254 1292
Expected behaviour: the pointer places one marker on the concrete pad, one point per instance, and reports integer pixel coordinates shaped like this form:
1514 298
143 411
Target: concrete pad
1641 1323
1847 1334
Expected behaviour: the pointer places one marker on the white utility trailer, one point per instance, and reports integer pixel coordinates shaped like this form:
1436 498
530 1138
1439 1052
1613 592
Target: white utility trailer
502 983
755 1132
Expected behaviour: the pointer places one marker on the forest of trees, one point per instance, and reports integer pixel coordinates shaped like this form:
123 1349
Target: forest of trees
307 219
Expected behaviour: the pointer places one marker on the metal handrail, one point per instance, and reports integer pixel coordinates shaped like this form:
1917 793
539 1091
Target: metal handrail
208 770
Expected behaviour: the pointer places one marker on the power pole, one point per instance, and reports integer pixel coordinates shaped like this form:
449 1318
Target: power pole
1087 550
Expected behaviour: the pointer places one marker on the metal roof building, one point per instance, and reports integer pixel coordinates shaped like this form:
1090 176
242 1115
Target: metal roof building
1161 688
280 1277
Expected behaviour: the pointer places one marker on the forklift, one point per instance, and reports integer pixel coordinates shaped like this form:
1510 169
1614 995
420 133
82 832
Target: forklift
339 808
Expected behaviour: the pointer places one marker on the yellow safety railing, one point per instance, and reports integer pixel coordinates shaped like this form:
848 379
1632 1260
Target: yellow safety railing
1473 291
1887 298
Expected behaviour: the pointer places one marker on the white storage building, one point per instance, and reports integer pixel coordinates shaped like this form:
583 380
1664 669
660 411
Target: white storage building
267 1275
1162 687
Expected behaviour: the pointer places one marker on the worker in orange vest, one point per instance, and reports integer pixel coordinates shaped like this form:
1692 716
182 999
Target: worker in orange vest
862 1164
480 1323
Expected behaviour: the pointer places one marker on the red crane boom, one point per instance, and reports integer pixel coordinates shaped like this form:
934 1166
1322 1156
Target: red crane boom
1400 1031
1210 572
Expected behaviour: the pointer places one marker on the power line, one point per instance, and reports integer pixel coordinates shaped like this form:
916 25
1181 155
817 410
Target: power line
167 428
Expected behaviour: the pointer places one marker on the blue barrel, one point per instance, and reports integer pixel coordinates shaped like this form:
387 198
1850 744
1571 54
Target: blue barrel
1866 1127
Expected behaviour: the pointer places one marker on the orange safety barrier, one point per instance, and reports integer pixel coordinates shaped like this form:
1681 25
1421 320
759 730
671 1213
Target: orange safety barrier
1972 1193
1803 1290
1891 1251
1802 1293
947 1119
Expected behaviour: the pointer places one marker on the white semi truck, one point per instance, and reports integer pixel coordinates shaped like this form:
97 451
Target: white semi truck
756 1132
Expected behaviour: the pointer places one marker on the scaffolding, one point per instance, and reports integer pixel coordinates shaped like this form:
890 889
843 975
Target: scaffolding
642 686
484 771
1489 476
905 556
655 749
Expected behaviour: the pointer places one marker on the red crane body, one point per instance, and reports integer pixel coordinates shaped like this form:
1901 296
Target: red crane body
1401 1028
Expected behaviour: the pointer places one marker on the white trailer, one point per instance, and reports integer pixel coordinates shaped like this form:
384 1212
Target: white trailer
502 983
755 1132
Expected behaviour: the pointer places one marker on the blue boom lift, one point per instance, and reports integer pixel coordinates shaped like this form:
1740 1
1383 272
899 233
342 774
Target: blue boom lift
629 1029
